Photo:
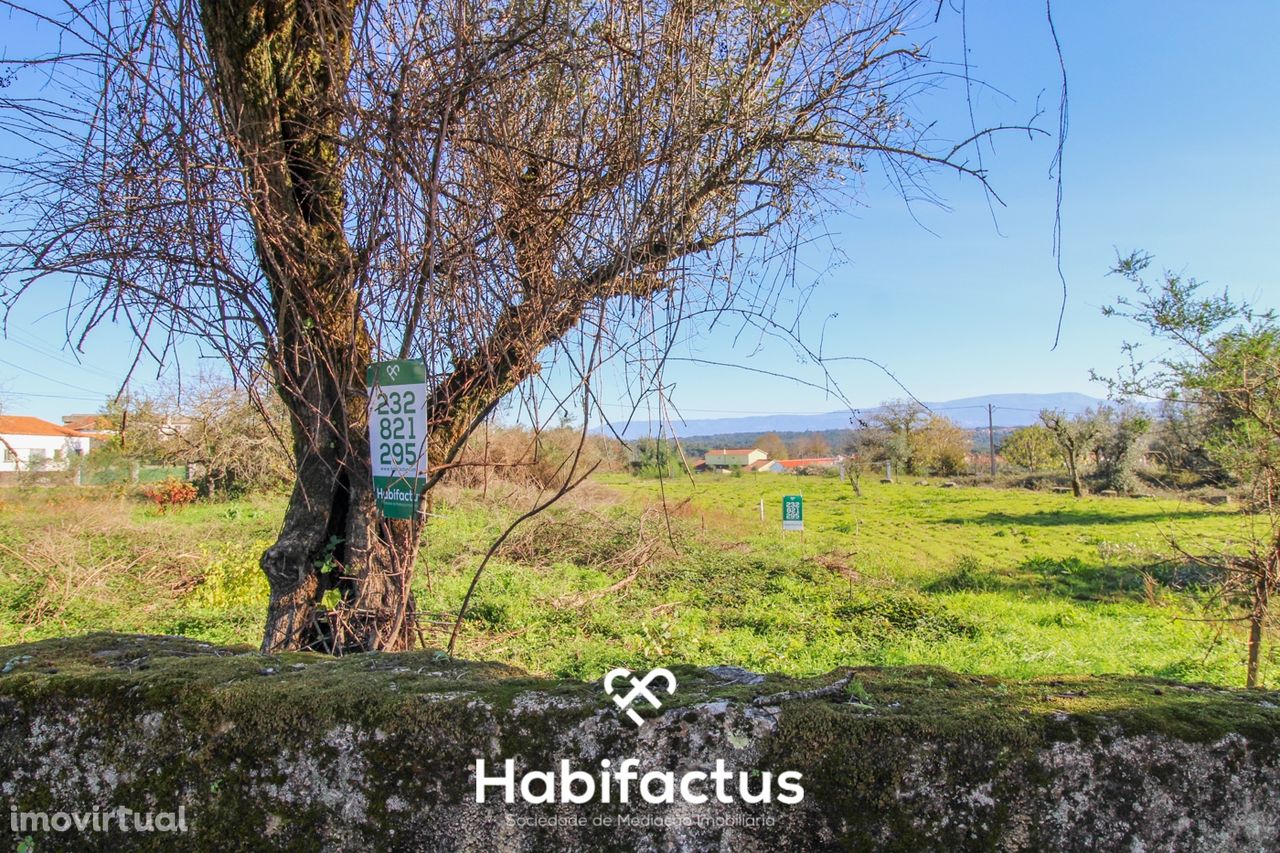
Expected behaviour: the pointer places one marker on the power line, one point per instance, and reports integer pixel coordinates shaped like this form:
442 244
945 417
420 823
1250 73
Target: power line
866 409
48 378
34 344
53 396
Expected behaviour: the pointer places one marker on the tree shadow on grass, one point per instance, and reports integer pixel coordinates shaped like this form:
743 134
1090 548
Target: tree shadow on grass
1060 518
1074 578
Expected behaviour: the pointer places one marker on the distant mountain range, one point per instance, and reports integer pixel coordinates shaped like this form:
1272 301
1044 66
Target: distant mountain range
1011 410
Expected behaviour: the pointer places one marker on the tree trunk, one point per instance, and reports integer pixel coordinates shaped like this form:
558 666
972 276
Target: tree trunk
332 537
1074 471
1258 618
281 80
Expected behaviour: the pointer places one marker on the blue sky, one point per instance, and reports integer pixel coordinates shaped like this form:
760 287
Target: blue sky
1174 123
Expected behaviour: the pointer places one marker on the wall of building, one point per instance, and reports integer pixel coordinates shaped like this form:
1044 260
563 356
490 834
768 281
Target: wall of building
50 452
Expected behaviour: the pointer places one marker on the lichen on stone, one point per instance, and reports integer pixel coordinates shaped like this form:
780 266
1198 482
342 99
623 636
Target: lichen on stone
378 751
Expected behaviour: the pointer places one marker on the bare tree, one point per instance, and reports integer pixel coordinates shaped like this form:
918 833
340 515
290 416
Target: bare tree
810 445
493 187
228 438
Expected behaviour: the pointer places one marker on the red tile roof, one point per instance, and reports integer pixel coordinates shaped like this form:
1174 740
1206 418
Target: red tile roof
82 423
813 460
23 425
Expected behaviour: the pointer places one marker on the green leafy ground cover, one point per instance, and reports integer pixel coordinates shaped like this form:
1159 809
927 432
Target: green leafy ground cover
1003 582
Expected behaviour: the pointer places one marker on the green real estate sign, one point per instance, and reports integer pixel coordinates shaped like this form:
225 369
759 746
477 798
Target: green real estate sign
792 512
398 434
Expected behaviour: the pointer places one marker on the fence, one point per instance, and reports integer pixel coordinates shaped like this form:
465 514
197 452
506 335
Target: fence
110 475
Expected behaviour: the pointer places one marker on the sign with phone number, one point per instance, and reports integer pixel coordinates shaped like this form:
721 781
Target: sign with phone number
792 512
398 435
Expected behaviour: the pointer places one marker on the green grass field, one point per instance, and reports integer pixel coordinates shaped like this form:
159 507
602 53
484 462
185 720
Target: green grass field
634 572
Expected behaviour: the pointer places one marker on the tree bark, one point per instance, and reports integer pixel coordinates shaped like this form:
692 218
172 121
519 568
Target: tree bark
1076 489
332 537
1258 616
281 77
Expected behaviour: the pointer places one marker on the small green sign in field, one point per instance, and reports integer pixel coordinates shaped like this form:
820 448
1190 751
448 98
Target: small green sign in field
398 434
792 512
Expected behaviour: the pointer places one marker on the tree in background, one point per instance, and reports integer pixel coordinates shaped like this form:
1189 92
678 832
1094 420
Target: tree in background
1076 438
488 186
1224 362
893 424
862 447
940 447
652 457
138 423
1181 442
1031 447
867 443
772 444
914 440
231 439
1119 444
811 445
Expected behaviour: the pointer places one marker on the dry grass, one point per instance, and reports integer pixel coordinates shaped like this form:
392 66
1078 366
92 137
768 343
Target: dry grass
85 559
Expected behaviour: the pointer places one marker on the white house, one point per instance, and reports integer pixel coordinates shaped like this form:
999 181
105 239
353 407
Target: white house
27 443
740 458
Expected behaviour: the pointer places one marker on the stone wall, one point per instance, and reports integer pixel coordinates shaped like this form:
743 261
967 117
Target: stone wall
378 752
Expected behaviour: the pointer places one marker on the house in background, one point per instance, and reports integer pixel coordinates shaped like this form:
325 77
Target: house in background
97 427
726 460
81 421
783 466
28 443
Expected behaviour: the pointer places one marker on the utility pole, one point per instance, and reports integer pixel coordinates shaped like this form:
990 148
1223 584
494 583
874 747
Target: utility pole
991 437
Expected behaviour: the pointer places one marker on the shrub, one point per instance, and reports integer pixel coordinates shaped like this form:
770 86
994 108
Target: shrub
905 611
169 493
968 576
233 579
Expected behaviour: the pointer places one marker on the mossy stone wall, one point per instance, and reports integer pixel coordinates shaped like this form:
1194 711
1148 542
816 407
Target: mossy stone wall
377 752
